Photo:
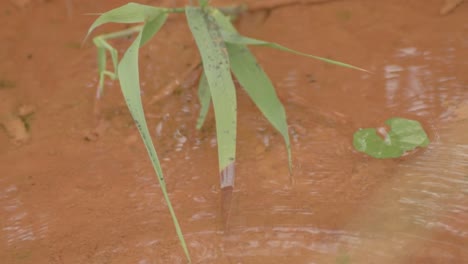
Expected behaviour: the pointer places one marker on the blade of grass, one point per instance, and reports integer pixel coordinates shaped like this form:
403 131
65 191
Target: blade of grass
235 38
130 85
216 66
129 13
255 82
260 89
128 72
204 96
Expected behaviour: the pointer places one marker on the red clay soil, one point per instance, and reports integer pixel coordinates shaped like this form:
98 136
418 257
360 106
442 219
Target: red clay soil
65 199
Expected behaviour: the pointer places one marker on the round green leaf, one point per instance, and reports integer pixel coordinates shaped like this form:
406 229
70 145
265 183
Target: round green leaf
404 135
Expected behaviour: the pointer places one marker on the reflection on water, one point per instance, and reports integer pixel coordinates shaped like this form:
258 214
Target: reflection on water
415 211
18 223
16 229
344 209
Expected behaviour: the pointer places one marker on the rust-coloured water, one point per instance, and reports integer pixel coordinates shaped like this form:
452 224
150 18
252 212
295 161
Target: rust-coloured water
67 200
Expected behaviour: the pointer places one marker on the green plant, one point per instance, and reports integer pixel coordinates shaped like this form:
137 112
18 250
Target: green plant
404 135
222 50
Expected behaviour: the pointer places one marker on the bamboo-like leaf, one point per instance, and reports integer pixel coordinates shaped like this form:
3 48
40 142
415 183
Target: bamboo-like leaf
260 89
129 13
130 85
203 3
216 65
235 38
204 96
255 82
152 27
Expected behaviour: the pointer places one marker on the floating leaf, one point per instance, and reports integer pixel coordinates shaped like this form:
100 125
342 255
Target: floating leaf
216 66
255 82
404 135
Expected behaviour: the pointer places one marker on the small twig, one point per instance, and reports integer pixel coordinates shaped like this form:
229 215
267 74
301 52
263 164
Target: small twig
173 85
449 6
275 4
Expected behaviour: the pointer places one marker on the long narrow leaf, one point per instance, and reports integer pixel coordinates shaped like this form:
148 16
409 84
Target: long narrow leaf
216 65
260 89
130 85
152 27
235 38
255 82
204 96
129 13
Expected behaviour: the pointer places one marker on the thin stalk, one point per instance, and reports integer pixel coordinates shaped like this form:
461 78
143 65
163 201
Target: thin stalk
227 10
175 220
122 33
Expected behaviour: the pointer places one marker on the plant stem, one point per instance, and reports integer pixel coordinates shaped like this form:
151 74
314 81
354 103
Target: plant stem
122 33
227 10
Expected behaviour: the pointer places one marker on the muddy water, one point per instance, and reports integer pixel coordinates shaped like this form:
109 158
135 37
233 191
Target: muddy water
65 200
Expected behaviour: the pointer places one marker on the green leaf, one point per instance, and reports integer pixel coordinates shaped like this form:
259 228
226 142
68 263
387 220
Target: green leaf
405 135
216 65
235 38
204 96
129 13
260 89
152 27
203 3
130 85
255 82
